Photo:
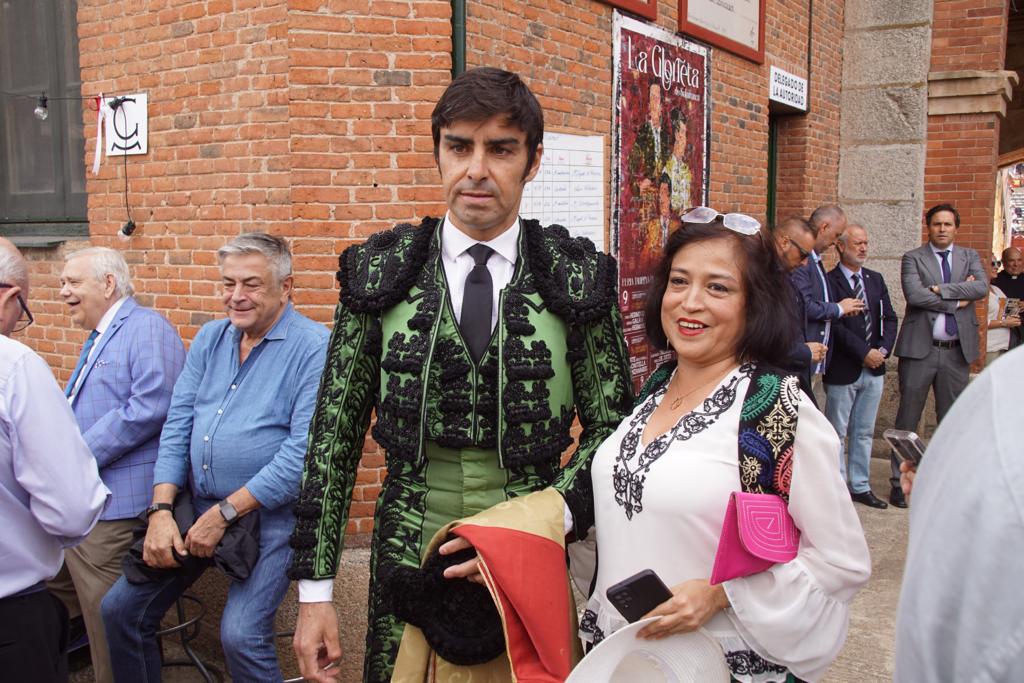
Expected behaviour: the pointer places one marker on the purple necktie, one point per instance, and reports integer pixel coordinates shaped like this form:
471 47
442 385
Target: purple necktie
951 328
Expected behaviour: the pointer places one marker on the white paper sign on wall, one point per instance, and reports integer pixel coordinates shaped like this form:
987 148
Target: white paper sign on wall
126 128
787 89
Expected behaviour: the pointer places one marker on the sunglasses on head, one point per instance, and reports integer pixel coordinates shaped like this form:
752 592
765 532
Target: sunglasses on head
737 222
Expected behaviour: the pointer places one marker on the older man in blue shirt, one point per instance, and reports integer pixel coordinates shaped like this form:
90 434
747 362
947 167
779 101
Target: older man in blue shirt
236 436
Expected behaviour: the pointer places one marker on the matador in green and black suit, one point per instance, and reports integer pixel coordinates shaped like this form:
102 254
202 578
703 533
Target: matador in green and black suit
459 436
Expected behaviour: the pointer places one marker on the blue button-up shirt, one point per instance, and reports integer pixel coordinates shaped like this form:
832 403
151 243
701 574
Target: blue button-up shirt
232 425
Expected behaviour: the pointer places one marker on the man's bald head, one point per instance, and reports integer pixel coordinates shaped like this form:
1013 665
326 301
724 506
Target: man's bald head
1013 261
828 222
14 273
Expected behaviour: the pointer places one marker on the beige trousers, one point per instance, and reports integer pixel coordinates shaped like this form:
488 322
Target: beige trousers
89 570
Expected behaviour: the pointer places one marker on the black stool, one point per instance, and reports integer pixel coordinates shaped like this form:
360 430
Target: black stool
187 630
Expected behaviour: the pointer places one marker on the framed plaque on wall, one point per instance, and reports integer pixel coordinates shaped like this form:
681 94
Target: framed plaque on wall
648 9
733 25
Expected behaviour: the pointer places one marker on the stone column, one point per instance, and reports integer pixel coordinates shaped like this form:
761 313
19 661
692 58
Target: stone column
883 137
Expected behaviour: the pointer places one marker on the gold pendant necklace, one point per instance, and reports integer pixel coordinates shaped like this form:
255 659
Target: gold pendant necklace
678 401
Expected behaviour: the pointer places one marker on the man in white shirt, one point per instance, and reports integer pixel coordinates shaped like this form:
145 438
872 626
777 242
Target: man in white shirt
50 492
960 615
938 339
120 391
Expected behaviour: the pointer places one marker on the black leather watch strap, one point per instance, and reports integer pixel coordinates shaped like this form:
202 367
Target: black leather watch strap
157 507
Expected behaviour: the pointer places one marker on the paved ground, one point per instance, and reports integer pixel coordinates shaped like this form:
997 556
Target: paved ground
868 654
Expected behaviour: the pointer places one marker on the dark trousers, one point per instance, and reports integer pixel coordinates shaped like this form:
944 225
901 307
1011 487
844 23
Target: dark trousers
943 371
33 638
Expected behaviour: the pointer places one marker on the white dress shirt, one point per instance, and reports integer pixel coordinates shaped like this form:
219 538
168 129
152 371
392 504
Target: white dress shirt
51 495
457 263
939 328
819 368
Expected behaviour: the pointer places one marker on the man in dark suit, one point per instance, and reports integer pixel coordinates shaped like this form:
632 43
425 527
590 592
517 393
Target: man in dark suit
939 337
821 307
854 379
1010 282
794 241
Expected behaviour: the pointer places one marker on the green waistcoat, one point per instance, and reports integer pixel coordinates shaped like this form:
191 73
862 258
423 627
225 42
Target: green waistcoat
557 354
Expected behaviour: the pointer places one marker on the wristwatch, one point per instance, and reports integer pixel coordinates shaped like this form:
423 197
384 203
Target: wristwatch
228 511
157 507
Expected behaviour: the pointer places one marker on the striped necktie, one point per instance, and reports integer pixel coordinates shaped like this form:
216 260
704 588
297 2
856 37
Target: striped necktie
81 362
858 291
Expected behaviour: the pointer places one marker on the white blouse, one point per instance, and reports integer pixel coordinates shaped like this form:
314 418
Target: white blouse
665 513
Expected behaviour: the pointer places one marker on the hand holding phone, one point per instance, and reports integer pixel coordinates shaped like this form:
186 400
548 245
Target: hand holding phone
639 594
907 445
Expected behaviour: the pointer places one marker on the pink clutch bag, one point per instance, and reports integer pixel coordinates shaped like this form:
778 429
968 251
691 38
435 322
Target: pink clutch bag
757 532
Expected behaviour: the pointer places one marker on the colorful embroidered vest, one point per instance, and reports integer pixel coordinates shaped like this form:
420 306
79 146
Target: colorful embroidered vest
767 428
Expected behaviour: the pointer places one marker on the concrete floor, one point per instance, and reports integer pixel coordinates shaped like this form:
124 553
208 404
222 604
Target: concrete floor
866 657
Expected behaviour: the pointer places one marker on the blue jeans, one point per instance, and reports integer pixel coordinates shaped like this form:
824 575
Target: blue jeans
851 408
132 612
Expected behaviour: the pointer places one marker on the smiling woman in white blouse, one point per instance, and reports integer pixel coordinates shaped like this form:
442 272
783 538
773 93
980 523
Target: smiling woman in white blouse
721 419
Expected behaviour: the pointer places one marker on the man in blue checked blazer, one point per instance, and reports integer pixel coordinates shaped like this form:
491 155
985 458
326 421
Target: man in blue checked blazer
120 391
854 378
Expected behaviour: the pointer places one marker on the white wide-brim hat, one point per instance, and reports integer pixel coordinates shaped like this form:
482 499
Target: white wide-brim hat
694 657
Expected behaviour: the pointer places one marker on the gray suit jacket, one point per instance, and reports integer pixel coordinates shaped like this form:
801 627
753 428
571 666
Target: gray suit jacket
919 271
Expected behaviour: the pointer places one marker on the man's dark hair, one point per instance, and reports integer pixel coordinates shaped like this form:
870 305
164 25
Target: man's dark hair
942 207
790 226
665 179
479 94
769 318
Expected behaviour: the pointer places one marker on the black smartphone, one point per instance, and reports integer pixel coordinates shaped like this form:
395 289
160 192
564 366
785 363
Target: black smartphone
907 445
639 594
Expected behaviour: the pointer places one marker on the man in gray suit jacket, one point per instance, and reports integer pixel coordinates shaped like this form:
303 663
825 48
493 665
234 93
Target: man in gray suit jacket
938 340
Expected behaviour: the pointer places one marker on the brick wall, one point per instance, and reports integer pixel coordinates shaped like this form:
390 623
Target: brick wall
808 145
310 119
963 149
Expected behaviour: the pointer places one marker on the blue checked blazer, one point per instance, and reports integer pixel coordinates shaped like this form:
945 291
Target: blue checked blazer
122 403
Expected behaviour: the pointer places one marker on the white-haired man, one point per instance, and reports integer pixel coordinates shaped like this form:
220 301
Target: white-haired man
235 439
120 391
52 493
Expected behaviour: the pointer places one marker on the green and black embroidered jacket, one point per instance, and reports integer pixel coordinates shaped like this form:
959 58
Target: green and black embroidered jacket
557 353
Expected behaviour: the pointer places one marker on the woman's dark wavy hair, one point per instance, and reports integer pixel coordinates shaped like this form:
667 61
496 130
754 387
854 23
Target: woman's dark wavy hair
479 94
769 311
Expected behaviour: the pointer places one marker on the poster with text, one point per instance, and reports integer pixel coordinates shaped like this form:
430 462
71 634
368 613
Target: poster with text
661 148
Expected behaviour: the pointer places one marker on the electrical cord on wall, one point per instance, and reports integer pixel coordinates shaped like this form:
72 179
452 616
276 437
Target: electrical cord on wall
128 228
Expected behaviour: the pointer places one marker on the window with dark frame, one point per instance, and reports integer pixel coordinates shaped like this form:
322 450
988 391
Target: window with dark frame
42 167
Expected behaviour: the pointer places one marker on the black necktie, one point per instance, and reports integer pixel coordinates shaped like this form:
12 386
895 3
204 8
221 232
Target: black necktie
951 328
858 291
477 297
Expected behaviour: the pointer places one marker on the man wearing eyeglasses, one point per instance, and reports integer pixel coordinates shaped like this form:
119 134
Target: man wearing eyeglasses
794 241
809 280
53 495
120 391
